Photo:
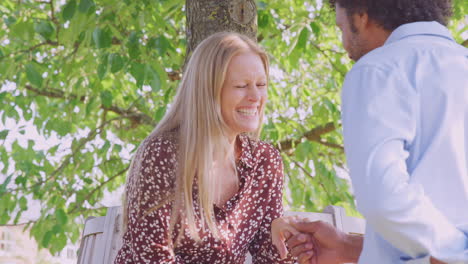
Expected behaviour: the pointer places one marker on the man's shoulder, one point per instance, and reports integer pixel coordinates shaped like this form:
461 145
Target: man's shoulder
410 51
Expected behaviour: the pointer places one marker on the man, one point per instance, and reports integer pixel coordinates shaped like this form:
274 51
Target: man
405 125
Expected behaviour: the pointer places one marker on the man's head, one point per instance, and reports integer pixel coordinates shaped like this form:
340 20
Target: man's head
366 24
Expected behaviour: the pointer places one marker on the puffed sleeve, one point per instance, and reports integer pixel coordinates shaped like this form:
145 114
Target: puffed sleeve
148 191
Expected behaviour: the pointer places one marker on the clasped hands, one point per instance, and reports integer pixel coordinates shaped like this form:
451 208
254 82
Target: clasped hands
311 242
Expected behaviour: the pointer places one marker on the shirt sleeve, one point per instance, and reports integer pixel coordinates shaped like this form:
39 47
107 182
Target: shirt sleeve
261 247
147 239
380 119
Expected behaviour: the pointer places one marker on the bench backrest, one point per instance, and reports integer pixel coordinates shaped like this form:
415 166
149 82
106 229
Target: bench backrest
101 238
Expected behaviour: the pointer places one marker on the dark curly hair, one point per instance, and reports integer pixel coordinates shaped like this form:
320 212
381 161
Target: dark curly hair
391 14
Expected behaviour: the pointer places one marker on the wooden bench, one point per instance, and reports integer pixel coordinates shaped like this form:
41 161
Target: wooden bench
102 236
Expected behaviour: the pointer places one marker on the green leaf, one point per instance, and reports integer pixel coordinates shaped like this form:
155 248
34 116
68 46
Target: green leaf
160 113
60 242
33 75
162 45
61 216
91 105
106 99
153 76
46 239
102 70
88 180
4 185
138 72
4 133
133 46
53 149
45 29
18 217
69 10
23 203
104 148
102 38
116 62
117 147
263 19
315 28
303 150
302 40
84 5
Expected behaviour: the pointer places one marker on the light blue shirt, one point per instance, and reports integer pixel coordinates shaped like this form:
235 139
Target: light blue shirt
405 124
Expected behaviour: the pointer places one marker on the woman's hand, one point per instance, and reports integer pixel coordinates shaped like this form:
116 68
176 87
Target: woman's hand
282 230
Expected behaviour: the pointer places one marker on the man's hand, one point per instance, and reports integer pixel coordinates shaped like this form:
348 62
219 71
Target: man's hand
330 246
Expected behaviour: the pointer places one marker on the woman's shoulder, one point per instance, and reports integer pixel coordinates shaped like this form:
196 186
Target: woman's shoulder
152 174
160 144
155 160
261 151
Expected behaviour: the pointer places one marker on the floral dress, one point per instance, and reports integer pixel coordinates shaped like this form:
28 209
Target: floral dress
244 220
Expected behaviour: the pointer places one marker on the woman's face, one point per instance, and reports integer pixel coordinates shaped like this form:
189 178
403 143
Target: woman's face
243 94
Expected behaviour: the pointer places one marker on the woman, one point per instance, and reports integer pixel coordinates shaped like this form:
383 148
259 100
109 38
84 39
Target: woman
202 188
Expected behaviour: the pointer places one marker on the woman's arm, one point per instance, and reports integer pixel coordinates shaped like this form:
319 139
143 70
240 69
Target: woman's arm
261 248
149 187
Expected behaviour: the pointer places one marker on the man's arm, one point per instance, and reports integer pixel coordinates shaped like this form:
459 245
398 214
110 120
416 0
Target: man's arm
331 245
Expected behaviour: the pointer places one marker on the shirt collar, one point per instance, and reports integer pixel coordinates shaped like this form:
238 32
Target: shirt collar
246 147
419 28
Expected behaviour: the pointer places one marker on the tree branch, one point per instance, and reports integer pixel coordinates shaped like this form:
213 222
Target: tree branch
20 224
137 117
329 59
312 135
100 186
67 159
47 42
313 178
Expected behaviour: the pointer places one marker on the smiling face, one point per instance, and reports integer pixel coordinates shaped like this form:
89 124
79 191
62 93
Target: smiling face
244 94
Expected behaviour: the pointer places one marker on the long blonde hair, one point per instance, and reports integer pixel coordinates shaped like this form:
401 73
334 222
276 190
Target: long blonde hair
196 116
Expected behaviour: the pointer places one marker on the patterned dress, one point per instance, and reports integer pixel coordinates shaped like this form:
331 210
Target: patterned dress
244 220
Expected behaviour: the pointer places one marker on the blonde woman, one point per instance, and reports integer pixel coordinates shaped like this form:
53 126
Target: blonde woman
202 188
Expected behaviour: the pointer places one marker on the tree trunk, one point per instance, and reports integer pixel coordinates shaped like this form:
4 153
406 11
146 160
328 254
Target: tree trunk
206 17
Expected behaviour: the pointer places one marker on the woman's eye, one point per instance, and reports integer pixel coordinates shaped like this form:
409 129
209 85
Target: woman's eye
261 84
241 86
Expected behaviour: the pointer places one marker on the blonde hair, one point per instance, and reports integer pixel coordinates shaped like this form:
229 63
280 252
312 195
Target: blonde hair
196 116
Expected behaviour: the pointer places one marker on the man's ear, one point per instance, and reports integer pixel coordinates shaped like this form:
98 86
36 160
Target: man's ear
361 21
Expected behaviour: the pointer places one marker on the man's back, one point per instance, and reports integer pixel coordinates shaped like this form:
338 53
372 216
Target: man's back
405 118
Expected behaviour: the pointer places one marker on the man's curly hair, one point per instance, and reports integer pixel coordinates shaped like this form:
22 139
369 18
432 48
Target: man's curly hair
391 14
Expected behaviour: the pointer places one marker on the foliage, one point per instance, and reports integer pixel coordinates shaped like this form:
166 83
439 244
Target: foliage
97 75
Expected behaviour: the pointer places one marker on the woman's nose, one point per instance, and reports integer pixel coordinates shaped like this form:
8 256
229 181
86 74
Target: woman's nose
254 94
